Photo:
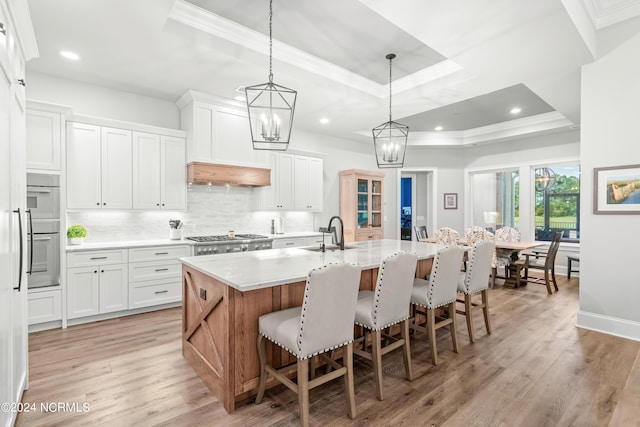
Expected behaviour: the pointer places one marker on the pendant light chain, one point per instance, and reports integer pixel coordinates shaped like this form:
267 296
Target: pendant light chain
390 93
270 40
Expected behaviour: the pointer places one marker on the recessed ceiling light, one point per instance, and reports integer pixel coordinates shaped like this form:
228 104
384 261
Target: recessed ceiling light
438 128
240 98
70 55
516 110
324 120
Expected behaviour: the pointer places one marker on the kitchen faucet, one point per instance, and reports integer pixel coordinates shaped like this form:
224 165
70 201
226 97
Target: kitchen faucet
341 242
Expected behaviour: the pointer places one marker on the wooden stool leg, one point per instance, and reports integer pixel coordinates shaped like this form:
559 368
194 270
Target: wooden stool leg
303 391
469 315
485 310
261 343
454 328
376 356
404 333
431 333
348 380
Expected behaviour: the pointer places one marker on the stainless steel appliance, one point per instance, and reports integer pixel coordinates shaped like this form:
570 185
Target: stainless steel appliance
43 209
208 245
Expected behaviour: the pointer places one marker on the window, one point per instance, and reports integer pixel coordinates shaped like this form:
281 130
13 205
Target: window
557 202
495 199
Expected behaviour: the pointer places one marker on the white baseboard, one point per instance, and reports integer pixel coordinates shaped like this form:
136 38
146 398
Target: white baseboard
609 325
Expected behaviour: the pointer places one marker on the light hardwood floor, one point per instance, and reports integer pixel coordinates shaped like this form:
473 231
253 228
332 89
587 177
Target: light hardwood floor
536 369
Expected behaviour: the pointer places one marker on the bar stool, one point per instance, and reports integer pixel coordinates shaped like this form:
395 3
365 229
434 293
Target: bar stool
476 280
385 307
323 323
439 291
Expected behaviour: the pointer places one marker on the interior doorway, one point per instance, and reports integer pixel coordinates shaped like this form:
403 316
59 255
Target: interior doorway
416 203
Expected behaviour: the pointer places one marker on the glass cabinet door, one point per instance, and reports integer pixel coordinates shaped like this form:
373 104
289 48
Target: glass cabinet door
376 203
363 203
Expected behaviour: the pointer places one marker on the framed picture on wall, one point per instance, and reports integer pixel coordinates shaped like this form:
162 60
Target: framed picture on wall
451 200
616 190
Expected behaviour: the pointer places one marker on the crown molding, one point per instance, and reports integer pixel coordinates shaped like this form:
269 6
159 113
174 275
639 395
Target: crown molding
196 96
34 104
25 35
614 13
210 23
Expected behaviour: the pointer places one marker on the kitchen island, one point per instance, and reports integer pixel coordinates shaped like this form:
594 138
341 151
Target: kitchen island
224 295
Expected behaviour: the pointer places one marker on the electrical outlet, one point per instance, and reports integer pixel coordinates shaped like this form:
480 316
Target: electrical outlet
203 294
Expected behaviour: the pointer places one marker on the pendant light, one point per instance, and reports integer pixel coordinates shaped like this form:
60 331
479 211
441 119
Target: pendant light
390 138
270 108
545 179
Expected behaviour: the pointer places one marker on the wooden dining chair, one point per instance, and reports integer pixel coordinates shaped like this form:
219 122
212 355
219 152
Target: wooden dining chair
421 232
540 261
323 323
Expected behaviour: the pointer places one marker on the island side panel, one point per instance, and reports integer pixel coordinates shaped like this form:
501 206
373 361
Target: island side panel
207 338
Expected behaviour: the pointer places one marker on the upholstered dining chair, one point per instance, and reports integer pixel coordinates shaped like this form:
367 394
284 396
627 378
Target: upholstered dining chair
421 232
541 261
476 281
447 236
503 256
439 292
323 323
384 307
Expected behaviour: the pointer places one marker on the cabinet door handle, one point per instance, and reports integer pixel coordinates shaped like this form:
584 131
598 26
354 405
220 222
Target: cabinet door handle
162 269
157 204
95 271
101 271
162 253
31 241
161 292
98 257
98 204
19 288
21 82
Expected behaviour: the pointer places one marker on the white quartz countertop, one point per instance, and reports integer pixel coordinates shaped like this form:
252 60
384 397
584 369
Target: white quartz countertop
248 271
126 244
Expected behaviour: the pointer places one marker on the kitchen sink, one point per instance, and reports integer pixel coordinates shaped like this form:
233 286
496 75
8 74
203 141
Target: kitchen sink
329 248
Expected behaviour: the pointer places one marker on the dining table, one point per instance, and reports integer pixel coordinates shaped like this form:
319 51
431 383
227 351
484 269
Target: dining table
513 247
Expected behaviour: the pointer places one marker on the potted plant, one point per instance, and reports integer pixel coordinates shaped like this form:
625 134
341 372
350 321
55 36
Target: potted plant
76 234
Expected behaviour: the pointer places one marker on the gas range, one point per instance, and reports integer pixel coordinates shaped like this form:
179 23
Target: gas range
209 245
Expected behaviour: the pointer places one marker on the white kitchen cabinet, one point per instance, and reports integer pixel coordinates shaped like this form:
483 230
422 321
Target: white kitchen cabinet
96 282
292 242
317 240
44 140
216 133
159 180
308 184
45 306
278 196
99 167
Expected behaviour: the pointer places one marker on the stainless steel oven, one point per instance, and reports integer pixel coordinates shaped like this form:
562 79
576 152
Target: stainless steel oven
43 213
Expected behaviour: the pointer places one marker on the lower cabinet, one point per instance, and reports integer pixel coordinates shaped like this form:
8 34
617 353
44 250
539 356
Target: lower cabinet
96 289
289 243
45 306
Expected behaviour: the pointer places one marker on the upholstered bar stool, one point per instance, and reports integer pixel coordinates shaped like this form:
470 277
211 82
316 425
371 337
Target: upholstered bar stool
384 307
476 280
439 291
324 322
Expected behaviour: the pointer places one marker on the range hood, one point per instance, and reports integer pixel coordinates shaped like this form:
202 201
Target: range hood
200 173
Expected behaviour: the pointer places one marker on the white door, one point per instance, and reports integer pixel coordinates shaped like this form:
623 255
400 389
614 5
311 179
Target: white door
146 171
43 140
114 288
117 169
301 183
82 291
84 179
173 174
315 187
284 181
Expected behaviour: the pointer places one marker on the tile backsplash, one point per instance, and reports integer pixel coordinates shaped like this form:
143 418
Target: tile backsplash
210 210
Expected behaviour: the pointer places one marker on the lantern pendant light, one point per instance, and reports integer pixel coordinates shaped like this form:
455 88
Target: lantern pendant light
390 138
545 179
270 108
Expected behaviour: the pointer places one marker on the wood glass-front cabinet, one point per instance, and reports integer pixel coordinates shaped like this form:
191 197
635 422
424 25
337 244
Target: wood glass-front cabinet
361 202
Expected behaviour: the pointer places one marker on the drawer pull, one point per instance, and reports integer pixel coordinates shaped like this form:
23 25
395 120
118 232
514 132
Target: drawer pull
161 292
162 253
162 269
98 257
289 244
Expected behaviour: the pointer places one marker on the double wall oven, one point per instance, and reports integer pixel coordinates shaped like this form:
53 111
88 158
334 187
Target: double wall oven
43 214
209 245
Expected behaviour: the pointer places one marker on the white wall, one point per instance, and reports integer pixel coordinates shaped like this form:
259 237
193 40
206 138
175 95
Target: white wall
609 291
103 102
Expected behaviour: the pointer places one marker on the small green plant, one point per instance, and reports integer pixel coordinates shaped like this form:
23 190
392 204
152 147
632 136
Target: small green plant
76 231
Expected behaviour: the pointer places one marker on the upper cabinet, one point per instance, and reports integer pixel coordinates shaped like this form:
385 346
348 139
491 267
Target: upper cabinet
217 134
307 184
159 180
111 168
44 140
